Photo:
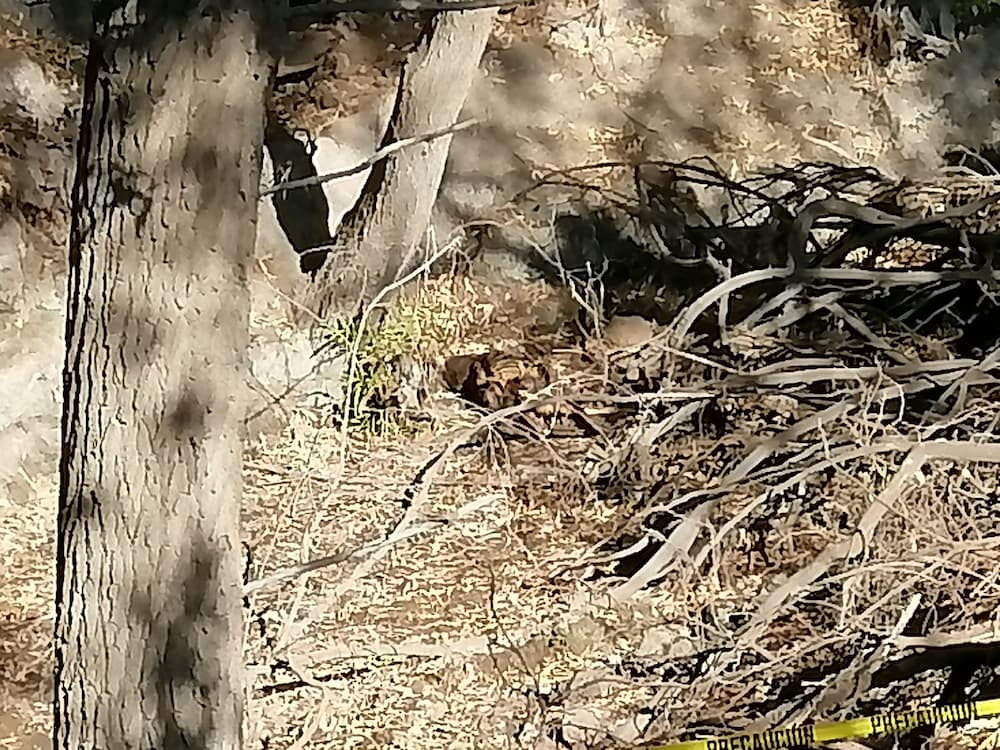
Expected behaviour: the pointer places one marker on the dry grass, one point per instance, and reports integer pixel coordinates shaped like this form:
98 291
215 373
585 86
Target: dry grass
485 631
26 608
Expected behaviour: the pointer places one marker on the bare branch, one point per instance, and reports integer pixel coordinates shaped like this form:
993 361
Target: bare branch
325 8
370 161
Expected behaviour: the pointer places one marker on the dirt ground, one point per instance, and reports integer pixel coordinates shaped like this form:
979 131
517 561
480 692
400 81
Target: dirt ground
502 588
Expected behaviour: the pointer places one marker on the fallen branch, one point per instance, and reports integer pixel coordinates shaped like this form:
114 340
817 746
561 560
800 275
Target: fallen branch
986 633
678 545
837 458
686 320
415 495
944 371
860 541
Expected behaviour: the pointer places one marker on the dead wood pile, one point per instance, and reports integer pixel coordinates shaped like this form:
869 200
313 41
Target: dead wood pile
802 442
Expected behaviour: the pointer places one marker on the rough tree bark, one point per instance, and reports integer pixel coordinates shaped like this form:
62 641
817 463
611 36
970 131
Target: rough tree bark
148 612
378 235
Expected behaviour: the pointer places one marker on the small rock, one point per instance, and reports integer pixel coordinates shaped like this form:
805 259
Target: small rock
624 331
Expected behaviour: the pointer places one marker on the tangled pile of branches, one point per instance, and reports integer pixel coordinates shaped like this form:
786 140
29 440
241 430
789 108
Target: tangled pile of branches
918 256
829 375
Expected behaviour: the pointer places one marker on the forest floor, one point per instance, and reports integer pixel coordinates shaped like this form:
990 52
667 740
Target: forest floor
703 555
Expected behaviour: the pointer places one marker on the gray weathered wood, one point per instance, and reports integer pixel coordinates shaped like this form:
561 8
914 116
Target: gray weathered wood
378 235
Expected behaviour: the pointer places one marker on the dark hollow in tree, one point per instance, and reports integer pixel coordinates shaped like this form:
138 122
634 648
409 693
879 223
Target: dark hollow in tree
304 214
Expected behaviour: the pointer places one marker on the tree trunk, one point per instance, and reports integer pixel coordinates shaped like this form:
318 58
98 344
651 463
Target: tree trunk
379 234
164 205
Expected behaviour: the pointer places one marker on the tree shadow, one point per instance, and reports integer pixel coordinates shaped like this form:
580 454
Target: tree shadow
591 252
192 644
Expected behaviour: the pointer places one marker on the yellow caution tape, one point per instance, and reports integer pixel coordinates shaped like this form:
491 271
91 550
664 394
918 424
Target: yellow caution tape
842 730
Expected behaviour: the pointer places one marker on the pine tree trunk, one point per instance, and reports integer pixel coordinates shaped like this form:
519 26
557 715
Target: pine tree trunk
149 572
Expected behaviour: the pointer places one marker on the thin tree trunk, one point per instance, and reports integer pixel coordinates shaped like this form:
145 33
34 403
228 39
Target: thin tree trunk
148 611
379 234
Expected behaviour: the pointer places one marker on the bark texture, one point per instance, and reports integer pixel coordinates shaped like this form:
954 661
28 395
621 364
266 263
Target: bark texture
378 236
149 573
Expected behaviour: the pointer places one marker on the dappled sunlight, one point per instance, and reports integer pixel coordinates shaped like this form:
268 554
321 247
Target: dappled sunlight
599 473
